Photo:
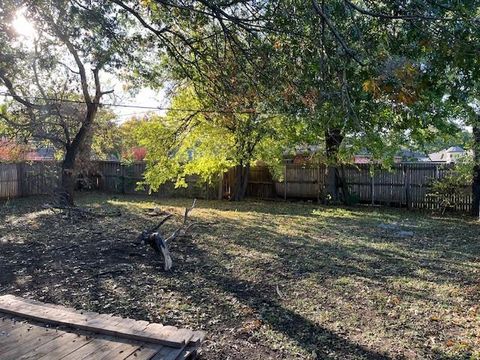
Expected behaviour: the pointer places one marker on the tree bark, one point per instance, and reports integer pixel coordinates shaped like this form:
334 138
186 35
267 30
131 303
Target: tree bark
241 181
243 189
476 170
67 184
68 176
333 140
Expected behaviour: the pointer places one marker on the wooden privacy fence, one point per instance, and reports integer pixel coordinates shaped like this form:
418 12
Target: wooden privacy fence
42 177
112 176
260 183
28 178
404 185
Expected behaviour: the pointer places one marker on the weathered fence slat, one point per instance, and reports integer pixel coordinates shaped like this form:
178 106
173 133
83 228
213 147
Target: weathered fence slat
42 178
403 185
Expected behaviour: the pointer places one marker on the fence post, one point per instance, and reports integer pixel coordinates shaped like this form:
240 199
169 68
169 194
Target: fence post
285 183
122 177
406 172
220 186
318 183
372 183
20 179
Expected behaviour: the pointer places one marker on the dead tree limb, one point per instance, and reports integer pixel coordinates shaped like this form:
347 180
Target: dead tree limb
187 211
154 239
164 220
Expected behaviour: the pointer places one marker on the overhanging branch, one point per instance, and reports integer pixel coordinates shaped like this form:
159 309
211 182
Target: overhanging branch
394 17
336 33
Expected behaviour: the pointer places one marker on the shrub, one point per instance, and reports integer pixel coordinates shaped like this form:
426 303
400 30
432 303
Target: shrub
452 189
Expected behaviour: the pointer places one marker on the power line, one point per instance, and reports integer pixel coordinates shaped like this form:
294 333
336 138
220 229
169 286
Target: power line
134 113
130 106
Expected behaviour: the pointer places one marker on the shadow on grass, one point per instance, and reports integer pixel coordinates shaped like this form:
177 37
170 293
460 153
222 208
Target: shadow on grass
309 335
95 262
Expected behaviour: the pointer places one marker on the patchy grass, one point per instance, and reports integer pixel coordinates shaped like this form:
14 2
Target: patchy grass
265 280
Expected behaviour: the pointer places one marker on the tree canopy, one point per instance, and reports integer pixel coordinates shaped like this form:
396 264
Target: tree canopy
254 78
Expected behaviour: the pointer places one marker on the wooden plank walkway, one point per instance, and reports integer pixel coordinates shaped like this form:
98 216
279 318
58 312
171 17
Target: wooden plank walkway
33 330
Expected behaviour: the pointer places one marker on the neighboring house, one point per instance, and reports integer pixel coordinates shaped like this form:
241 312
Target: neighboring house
450 155
41 154
11 151
301 154
364 157
412 156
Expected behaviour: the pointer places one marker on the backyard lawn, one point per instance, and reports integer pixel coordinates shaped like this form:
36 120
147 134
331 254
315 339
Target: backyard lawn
266 280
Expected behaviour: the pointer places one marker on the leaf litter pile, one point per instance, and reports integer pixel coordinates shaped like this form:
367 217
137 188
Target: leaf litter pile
265 280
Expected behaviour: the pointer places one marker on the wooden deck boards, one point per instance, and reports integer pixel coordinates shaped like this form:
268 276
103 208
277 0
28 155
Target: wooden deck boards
26 332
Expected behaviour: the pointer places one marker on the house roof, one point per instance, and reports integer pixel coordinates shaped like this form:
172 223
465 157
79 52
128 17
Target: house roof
405 153
455 149
44 153
443 155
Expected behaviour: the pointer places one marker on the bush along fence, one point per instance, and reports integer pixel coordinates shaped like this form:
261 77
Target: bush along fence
407 185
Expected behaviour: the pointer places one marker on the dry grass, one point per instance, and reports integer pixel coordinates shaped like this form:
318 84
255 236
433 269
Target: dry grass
265 280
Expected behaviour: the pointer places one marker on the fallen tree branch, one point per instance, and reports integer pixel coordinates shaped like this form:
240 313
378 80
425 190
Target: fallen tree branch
169 216
187 211
160 244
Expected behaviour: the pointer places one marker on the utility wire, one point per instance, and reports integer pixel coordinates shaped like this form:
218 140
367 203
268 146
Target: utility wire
160 108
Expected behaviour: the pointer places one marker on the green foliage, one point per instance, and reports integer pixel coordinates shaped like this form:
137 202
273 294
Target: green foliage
443 140
57 74
208 144
107 139
452 189
180 145
395 98
4 128
128 132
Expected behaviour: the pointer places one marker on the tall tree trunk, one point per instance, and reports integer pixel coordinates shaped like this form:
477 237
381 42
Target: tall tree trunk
68 176
67 187
241 181
83 162
238 182
333 140
246 174
476 169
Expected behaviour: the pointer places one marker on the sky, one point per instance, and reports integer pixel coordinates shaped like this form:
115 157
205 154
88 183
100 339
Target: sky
144 98
126 104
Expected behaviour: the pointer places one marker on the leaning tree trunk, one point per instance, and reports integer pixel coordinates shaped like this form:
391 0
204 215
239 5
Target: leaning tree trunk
333 140
67 184
68 176
476 170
